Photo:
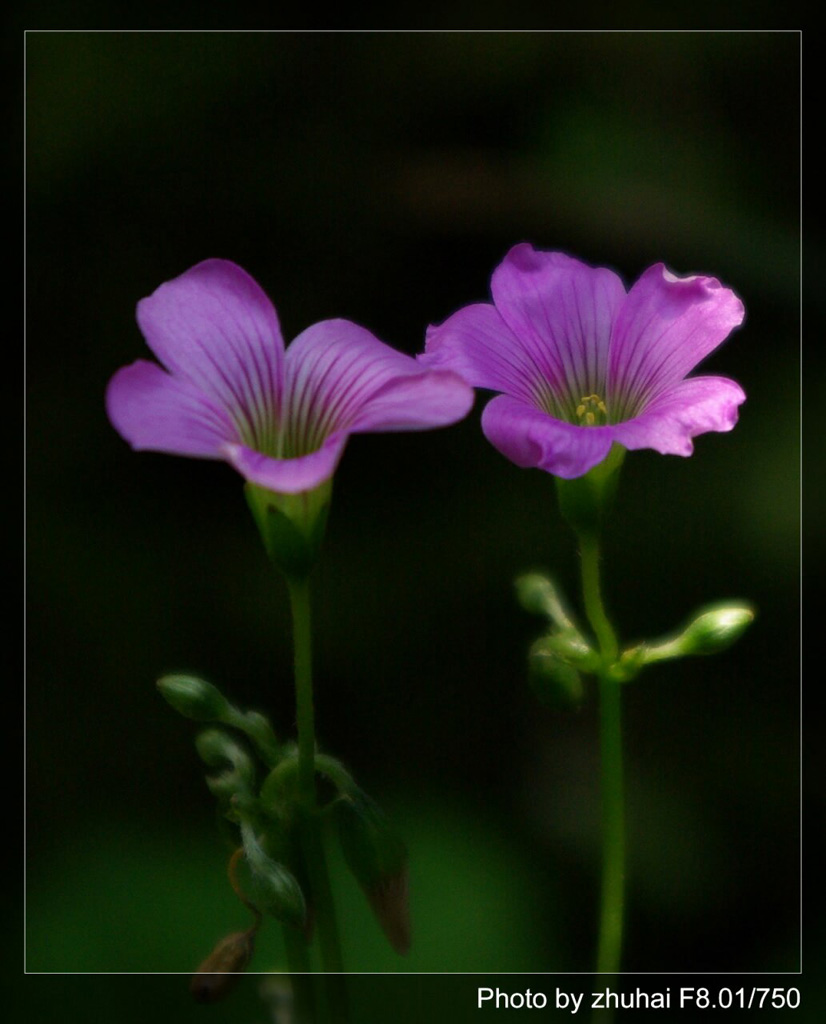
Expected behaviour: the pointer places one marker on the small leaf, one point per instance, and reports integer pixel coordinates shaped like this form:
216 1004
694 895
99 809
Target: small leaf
377 857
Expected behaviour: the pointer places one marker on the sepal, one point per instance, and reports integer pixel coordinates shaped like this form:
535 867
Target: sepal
291 525
586 501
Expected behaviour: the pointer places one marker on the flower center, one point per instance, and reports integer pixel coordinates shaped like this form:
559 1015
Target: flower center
591 411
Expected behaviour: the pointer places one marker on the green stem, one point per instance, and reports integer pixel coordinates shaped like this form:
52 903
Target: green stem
611 778
312 845
305 712
301 978
592 595
613 826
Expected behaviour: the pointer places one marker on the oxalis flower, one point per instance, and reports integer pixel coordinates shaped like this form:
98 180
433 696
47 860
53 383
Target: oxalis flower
582 364
229 390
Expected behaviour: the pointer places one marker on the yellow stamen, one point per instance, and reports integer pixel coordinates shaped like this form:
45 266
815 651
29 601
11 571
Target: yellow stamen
589 409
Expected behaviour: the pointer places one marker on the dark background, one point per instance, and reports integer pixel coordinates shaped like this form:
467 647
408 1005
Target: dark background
381 177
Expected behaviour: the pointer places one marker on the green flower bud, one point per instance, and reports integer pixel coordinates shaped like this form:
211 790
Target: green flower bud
572 647
276 889
713 629
259 730
535 593
334 771
539 595
716 628
219 972
279 790
217 749
193 697
556 683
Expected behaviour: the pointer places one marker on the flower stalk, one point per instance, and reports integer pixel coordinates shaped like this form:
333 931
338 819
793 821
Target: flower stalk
612 896
585 503
299 590
612 900
323 908
301 977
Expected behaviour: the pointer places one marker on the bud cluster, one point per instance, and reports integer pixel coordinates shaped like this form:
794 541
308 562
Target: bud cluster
270 822
557 660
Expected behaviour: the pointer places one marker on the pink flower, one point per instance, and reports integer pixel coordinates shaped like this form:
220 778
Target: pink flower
581 364
228 390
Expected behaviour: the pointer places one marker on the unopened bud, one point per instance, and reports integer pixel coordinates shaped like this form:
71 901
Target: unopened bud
534 592
193 697
712 630
555 683
216 748
572 647
220 971
716 628
258 729
539 595
219 750
276 888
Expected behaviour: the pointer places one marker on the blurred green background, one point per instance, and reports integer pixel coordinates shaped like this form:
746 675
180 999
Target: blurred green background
381 178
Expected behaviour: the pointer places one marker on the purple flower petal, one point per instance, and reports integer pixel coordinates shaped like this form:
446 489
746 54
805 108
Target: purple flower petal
215 327
418 401
476 343
665 327
156 411
530 437
562 312
675 416
288 476
342 378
